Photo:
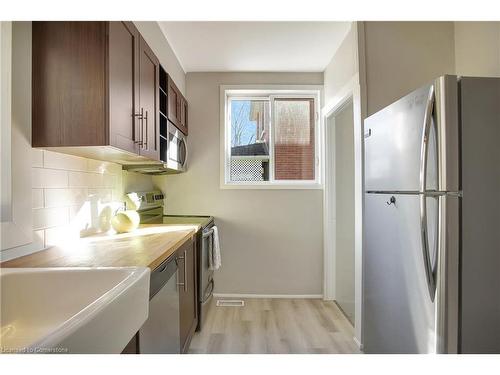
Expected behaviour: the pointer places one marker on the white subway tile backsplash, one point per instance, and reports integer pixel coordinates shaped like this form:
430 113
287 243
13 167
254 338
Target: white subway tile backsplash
65 197
103 167
49 178
37 198
117 195
56 160
71 194
50 217
109 180
85 179
85 218
102 195
36 157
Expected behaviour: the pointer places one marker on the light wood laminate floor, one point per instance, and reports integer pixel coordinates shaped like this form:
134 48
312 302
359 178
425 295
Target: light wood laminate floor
275 326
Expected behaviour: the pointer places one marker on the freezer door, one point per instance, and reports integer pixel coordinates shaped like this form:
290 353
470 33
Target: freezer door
398 313
393 144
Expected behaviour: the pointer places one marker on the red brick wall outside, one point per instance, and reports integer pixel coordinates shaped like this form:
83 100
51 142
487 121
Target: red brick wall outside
294 162
294 153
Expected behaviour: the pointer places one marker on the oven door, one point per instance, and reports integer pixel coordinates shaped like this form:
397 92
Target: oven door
177 149
206 275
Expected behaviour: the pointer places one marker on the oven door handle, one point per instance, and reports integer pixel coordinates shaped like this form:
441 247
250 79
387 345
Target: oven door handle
207 295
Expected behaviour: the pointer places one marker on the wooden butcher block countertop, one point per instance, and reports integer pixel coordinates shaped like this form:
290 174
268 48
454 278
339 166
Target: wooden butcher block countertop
148 246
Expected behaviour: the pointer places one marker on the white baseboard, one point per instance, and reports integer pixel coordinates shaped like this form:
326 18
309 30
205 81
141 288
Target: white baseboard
239 295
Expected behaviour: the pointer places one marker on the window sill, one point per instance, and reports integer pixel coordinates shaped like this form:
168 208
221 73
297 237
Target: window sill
275 186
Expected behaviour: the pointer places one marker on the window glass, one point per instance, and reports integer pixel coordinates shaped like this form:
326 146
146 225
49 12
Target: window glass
249 159
270 138
294 139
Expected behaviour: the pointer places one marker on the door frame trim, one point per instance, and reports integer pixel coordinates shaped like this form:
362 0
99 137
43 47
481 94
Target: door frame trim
330 193
349 92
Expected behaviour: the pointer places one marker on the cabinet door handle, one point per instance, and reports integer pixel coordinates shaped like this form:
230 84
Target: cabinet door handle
178 110
185 270
140 117
146 139
142 128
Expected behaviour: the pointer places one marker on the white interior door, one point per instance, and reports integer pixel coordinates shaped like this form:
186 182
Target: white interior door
344 204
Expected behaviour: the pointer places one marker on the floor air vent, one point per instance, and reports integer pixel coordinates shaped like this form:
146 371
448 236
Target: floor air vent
230 303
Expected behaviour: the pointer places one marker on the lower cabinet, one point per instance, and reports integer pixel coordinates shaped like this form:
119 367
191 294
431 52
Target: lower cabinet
186 256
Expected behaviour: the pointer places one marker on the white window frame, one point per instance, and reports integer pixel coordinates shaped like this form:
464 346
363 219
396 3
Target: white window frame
269 92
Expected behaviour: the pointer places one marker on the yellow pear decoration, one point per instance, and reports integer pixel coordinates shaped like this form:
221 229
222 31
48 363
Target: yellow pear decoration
125 221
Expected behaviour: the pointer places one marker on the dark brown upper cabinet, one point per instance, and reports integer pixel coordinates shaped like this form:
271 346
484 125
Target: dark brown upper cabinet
177 107
95 91
124 127
149 67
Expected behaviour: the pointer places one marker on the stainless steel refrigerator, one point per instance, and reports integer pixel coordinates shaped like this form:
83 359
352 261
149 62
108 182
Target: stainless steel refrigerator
431 258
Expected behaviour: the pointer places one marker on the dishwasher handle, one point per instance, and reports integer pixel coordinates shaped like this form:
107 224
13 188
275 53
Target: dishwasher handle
160 276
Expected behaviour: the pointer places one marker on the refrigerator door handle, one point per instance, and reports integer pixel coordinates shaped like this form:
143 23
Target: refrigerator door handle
424 150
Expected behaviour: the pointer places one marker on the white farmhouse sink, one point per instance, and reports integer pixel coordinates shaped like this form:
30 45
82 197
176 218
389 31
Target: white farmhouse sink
71 310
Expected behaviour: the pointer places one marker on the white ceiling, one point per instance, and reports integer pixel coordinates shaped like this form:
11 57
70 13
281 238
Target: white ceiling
254 46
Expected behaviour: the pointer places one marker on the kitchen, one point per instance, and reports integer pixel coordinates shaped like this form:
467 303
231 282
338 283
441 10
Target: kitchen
192 192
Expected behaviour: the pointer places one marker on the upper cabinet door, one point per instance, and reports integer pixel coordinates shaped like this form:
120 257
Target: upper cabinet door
124 109
148 94
173 102
184 116
69 84
177 107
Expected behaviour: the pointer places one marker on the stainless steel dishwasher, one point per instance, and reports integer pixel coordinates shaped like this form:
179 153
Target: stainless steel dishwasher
160 333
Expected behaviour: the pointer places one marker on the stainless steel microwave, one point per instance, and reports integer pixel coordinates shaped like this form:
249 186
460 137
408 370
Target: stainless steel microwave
177 152
173 154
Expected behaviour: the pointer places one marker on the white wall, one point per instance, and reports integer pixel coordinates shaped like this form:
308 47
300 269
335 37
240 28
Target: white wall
342 68
402 56
477 48
271 239
153 35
